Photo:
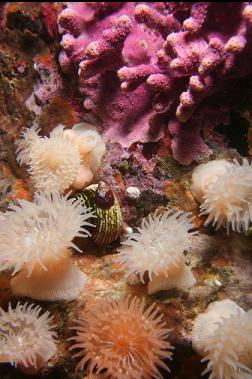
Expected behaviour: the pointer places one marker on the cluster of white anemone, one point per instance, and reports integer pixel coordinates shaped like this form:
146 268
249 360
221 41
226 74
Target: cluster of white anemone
224 190
223 336
36 238
158 249
27 338
66 158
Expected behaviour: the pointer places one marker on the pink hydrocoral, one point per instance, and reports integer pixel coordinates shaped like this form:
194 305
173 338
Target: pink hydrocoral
141 65
99 46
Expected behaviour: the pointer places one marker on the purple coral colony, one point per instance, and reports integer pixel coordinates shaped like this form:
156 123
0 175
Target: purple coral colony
126 135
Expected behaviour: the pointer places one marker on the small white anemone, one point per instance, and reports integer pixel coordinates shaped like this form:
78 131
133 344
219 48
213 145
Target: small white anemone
206 174
90 144
65 158
158 249
35 238
53 161
27 339
224 190
29 136
223 336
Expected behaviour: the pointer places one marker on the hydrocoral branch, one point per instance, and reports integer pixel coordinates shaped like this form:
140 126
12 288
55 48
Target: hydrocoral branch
139 63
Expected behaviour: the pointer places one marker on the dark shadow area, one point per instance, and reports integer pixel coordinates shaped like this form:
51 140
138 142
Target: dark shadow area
236 133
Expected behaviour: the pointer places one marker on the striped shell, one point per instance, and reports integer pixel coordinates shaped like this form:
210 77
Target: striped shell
108 222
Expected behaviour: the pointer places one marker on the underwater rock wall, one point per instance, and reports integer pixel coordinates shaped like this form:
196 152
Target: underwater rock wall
168 85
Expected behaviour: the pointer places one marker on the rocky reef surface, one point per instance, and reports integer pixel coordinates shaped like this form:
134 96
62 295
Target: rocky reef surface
169 85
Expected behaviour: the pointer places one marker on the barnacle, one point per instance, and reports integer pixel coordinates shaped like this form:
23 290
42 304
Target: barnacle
27 338
122 339
223 336
66 158
224 190
106 207
157 248
35 240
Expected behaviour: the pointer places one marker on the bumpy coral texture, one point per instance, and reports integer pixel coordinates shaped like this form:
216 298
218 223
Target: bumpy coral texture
228 200
158 244
26 335
34 233
123 340
146 69
223 335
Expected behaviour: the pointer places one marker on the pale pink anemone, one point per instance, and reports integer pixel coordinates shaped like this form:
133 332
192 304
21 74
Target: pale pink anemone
157 248
36 238
223 336
68 157
224 190
27 337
